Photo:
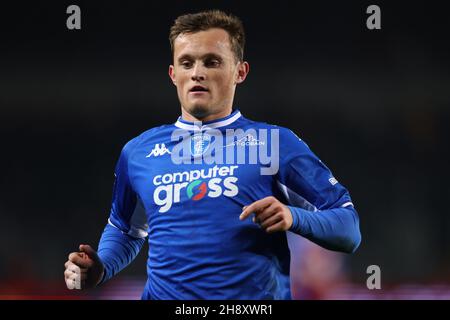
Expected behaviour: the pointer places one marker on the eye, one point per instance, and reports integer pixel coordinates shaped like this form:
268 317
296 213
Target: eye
186 64
212 63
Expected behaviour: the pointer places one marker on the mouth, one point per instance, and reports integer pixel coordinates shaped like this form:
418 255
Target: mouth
198 89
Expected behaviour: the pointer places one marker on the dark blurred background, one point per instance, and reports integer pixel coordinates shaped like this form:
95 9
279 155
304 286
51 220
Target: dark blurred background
374 105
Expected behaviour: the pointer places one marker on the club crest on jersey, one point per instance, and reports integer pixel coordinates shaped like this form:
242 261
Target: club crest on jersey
199 143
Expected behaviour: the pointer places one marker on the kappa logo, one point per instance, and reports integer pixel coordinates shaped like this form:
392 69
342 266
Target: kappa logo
158 150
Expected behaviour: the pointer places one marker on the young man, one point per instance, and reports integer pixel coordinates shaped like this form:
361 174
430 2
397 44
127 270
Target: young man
191 187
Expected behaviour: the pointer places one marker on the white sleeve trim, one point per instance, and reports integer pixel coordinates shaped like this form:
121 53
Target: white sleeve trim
295 199
111 224
347 204
138 222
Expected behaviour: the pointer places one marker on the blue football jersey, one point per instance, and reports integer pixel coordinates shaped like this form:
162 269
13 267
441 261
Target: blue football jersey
184 185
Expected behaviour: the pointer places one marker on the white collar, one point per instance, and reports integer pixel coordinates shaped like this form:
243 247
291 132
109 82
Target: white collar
198 125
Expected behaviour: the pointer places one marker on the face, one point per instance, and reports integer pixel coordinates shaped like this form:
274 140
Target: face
206 72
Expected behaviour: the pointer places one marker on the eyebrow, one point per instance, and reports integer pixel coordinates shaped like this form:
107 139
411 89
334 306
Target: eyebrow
187 56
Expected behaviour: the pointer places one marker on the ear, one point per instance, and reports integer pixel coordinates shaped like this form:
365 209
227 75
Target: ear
172 74
243 70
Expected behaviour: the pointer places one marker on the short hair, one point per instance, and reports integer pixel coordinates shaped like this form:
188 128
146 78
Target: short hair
205 20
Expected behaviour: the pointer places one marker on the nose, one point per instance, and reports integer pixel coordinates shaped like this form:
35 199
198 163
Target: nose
198 73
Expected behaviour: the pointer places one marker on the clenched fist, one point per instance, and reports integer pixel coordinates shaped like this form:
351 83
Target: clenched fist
84 269
270 214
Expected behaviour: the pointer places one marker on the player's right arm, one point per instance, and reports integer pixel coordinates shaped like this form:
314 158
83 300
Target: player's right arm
122 237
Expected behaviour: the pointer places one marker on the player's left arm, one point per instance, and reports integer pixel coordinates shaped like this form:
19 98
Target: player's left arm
319 208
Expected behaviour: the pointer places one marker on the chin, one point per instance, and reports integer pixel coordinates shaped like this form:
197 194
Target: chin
199 111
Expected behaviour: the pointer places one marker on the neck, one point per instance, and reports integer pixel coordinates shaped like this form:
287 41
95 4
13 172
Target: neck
208 117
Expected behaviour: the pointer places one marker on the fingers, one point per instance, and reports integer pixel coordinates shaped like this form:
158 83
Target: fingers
266 213
271 221
74 268
279 226
74 276
69 274
76 281
270 214
80 259
89 251
71 283
255 207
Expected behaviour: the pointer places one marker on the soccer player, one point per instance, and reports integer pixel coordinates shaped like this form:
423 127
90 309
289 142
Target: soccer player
215 193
